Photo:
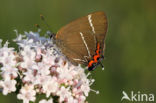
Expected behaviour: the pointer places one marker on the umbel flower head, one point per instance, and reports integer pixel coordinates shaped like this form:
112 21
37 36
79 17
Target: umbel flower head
38 67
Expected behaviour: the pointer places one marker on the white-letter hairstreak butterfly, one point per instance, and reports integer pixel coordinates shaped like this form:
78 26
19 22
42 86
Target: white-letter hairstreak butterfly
83 40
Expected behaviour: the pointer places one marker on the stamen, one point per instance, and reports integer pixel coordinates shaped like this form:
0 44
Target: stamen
91 81
88 74
97 92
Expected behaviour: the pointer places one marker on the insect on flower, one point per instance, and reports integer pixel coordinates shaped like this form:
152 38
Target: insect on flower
83 40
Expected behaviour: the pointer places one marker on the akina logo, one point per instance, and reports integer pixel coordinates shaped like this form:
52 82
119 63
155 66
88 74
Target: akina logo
138 97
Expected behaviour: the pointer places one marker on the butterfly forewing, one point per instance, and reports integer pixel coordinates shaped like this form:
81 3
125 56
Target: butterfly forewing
77 40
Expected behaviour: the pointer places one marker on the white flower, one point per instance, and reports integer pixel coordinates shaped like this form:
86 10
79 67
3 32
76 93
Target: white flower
40 68
8 71
41 79
85 89
7 56
63 93
27 52
72 100
28 56
50 86
27 93
48 59
82 99
43 69
29 76
8 86
46 101
65 72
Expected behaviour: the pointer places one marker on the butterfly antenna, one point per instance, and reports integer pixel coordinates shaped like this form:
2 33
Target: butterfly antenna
43 19
51 34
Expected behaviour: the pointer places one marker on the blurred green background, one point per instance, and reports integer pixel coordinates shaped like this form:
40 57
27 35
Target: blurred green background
130 56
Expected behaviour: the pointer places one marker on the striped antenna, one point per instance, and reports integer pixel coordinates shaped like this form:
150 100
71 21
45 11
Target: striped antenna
51 34
43 19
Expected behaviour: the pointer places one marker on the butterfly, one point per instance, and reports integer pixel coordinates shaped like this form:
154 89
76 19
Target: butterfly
82 41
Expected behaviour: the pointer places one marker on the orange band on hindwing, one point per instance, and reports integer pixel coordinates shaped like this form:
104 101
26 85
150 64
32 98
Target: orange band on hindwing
90 63
96 56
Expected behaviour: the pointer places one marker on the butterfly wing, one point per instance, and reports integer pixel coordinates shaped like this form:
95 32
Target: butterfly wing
98 23
74 47
77 40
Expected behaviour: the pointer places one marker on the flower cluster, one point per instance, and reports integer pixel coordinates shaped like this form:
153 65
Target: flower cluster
38 67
